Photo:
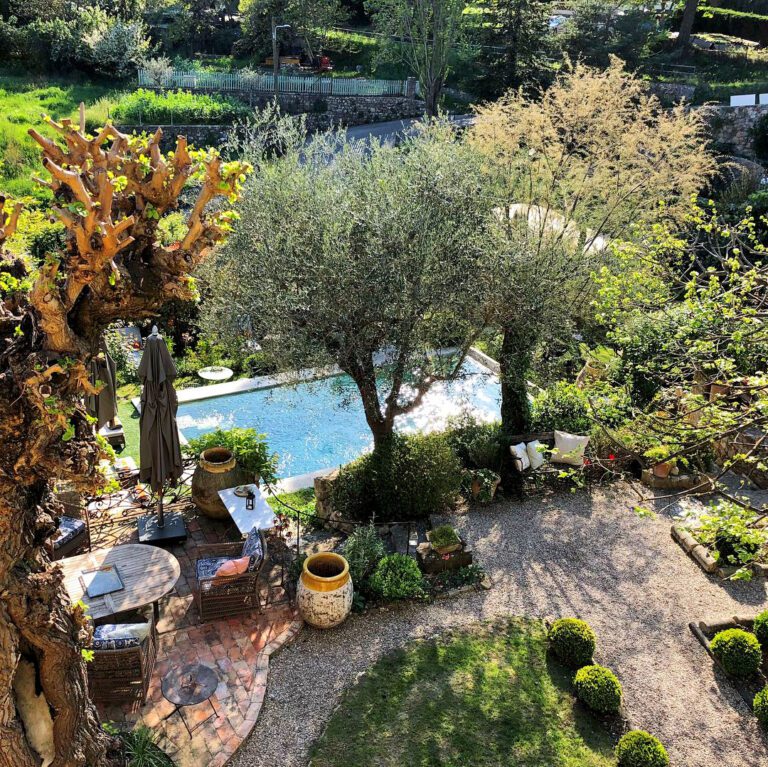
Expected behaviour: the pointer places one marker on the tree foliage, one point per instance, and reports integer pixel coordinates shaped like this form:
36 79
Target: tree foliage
584 164
367 256
110 192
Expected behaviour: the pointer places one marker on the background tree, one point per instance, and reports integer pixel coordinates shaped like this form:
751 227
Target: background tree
309 20
110 192
424 35
687 22
590 159
515 40
368 257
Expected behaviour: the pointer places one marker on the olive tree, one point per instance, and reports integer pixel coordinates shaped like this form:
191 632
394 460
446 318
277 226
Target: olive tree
366 256
582 164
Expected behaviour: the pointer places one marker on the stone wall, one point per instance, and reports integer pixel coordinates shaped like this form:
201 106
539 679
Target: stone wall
731 128
743 444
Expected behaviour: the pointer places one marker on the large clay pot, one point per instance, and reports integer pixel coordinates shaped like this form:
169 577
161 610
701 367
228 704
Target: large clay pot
216 470
324 594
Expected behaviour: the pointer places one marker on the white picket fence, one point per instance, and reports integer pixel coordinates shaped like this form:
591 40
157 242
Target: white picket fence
250 82
749 100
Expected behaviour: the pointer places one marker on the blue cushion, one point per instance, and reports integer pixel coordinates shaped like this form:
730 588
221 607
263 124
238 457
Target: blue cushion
206 568
69 528
252 548
119 636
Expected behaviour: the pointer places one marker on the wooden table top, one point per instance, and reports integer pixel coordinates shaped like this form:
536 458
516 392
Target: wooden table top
147 572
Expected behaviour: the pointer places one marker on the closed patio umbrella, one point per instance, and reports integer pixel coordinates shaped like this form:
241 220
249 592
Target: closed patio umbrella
159 448
103 406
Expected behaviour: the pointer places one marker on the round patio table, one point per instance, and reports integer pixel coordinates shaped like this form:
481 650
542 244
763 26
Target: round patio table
148 573
215 373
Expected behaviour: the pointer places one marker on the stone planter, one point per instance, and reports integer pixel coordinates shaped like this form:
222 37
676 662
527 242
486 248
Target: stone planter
324 594
216 470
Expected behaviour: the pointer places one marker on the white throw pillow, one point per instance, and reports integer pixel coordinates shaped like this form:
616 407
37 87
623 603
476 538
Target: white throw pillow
569 448
535 456
520 454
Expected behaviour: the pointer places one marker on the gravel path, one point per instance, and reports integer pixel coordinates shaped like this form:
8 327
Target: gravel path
586 555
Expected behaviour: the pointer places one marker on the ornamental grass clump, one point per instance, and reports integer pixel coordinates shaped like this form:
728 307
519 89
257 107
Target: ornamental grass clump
738 652
641 749
572 641
760 706
397 576
599 688
364 549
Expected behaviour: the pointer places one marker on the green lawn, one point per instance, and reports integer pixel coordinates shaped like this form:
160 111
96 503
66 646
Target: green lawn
130 418
23 101
487 698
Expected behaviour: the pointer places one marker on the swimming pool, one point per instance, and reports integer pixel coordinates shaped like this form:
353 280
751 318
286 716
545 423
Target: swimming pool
315 425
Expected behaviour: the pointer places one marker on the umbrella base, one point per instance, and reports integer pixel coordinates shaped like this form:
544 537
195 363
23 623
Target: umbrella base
173 531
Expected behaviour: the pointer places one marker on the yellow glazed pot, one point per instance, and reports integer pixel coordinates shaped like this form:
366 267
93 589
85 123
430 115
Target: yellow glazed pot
324 593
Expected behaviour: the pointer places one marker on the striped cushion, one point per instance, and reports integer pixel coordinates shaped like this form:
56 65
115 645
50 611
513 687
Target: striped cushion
69 528
119 636
252 548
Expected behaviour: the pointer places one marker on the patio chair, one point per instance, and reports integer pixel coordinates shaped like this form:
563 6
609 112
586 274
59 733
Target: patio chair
124 656
72 537
221 596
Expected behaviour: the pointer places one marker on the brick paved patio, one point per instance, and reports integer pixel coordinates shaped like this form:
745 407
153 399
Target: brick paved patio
237 649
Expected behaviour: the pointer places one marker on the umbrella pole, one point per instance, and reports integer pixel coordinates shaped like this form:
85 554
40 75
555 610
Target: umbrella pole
160 517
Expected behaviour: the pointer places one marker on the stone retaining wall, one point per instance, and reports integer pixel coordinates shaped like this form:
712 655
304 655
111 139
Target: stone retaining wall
741 444
731 128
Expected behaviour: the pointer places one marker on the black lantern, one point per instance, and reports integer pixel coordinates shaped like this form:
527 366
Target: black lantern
250 500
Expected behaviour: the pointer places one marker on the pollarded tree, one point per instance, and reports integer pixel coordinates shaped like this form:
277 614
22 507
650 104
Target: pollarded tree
110 191
369 257
589 160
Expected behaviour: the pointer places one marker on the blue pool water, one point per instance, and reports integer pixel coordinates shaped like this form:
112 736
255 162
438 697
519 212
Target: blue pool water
320 424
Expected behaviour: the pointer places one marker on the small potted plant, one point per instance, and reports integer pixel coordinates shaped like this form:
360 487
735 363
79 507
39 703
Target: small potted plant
444 539
481 485
661 462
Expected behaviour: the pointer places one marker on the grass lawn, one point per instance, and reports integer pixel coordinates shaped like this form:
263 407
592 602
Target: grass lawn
486 698
130 418
23 101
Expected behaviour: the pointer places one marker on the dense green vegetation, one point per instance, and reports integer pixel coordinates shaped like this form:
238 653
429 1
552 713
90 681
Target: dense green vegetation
485 697
179 107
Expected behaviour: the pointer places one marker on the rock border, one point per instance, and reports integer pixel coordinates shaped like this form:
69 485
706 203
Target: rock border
704 559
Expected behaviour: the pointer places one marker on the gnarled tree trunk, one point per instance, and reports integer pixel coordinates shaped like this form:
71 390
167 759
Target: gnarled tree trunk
110 192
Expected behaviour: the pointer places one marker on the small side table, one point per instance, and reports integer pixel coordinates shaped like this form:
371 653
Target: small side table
215 373
188 686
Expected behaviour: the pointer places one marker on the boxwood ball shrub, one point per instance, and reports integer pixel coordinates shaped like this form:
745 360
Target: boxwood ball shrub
760 628
572 641
737 651
760 706
641 749
397 576
599 688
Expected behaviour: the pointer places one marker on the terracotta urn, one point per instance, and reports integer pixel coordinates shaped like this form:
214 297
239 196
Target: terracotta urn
324 593
661 470
216 470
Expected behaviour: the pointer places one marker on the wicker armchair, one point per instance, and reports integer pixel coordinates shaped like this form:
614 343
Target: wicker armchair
73 535
123 674
222 596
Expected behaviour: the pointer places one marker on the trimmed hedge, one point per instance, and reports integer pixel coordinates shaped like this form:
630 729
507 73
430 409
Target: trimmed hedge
738 652
599 688
760 628
760 706
641 749
572 641
750 26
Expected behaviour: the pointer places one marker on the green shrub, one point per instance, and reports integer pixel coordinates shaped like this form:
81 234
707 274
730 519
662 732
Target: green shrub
572 641
363 550
397 576
443 535
728 529
412 477
141 749
738 652
179 107
760 706
599 688
472 440
562 406
249 447
760 628
641 749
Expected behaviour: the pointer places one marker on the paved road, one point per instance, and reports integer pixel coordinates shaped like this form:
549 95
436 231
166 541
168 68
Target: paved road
392 130
587 555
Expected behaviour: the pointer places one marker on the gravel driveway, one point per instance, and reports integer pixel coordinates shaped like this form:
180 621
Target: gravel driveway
587 555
